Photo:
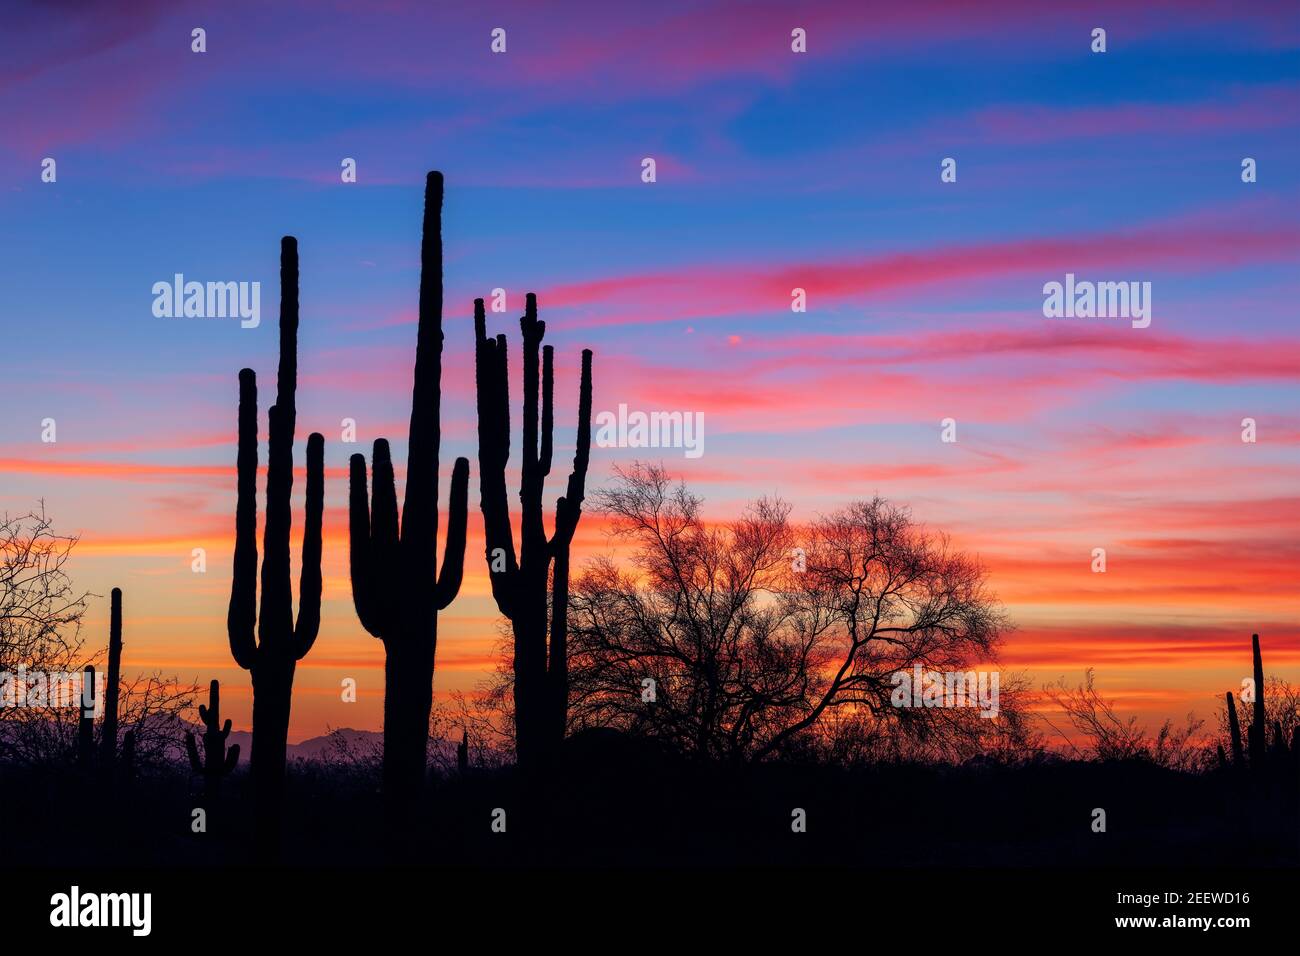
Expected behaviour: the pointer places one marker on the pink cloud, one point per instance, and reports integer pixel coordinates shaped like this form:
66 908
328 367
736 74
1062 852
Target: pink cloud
1255 108
699 292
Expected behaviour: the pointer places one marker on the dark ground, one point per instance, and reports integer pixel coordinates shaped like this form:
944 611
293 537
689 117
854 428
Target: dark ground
616 808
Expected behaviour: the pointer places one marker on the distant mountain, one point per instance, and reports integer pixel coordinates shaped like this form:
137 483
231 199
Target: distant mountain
313 748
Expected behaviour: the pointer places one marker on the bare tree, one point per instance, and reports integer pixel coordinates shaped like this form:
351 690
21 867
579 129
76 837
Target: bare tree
41 614
1104 735
40 610
480 723
40 627
154 709
727 643
894 596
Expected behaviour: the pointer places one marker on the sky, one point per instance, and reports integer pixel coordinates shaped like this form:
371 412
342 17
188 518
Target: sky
774 170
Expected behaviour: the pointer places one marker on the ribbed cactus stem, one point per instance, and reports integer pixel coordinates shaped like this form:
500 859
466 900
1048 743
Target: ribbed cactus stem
520 584
267 642
216 762
86 718
108 731
397 586
1234 730
1257 735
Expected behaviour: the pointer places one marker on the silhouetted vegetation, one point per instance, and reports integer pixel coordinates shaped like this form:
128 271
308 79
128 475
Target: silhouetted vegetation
531 589
721 692
396 585
265 641
216 761
752 639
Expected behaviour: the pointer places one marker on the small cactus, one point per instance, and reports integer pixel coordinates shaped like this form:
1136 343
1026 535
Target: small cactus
1234 730
217 762
86 720
462 753
1257 738
108 731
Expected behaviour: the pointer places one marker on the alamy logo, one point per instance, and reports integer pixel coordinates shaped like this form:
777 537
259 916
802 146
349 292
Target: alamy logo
922 688
103 909
651 430
1103 300
42 689
208 300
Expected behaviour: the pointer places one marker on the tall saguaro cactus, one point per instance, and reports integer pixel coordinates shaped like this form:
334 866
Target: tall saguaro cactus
520 585
272 653
396 586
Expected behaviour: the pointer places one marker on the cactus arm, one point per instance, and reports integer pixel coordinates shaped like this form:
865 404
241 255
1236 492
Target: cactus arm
232 758
1234 729
533 330
532 547
192 749
493 398
241 619
582 452
569 507
548 408
567 512
453 558
360 560
384 544
309 584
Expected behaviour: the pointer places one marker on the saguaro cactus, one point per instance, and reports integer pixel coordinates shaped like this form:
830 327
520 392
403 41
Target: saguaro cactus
216 762
1234 730
396 586
1256 737
272 655
108 730
519 585
86 719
